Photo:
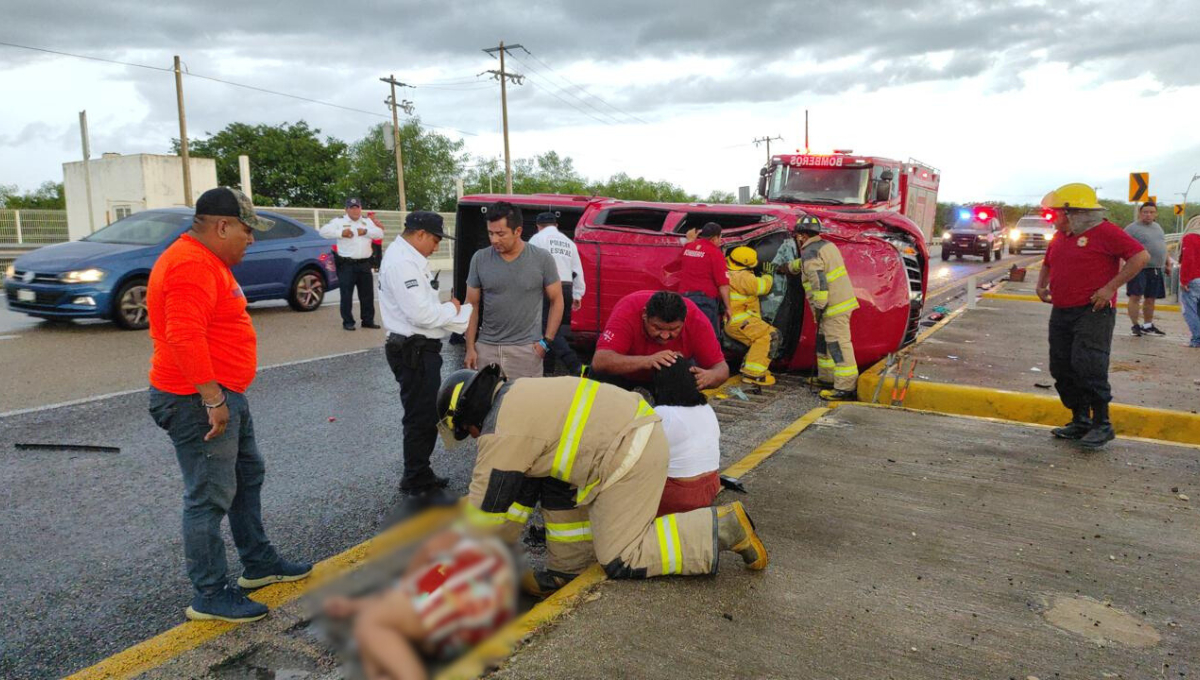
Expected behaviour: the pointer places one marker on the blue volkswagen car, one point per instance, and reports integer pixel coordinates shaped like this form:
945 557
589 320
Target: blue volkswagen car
104 275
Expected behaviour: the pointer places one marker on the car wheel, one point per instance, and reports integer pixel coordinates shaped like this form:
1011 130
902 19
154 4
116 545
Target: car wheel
1018 250
999 253
945 254
129 306
308 291
987 255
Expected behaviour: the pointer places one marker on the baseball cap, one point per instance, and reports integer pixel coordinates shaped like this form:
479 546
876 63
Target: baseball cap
424 220
353 203
547 218
229 202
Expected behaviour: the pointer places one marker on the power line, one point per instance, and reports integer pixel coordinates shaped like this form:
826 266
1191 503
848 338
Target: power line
584 90
226 82
572 94
552 94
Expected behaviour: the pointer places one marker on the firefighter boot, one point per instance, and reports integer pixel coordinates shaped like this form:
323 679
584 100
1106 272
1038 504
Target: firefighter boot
1081 422
765 380
736 532
1102 430
541 583
839 395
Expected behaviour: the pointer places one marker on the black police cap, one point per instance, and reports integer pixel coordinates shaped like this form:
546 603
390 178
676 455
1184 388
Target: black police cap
424 220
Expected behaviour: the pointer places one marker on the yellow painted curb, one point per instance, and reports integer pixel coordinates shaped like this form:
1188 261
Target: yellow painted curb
504 643
185 637
1128 420
1021 297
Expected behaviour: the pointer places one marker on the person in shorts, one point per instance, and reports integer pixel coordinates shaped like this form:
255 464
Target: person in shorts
1148 285
456 593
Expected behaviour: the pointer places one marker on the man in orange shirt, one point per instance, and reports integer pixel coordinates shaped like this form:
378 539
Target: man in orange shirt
205 356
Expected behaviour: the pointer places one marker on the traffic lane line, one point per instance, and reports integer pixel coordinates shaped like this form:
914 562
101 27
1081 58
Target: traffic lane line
158 650
1021 297
1160 425
504 643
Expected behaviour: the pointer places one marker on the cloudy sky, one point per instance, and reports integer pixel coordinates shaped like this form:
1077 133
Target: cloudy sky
1009 99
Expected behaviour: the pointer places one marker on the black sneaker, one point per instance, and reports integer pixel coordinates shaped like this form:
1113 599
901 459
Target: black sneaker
230 604
1136 331
281 572
1152 329
348 327
371 325
1098 436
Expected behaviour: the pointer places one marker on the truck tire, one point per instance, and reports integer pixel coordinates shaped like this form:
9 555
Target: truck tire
945 254
987 256
999 253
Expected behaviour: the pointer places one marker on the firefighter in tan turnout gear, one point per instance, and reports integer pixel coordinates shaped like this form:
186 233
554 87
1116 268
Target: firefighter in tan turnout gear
745 316
600 457
831 296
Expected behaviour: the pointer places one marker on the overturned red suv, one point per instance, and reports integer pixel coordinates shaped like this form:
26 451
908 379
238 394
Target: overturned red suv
628 246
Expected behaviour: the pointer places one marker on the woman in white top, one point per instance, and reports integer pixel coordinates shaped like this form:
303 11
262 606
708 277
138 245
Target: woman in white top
694 438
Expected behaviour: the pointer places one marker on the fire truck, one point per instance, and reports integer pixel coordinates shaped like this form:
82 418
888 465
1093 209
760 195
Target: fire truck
627 246
855 182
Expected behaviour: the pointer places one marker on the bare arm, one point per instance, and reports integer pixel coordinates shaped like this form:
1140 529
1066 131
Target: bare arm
472 359
1103 297
555 314
608 361
708 378
1043 283
724 291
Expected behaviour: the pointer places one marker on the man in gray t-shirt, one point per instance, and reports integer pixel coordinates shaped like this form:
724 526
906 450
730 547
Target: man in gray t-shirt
511 278
1149 284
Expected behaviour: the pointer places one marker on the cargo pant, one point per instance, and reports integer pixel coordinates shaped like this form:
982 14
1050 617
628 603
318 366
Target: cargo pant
763 340
620 530
1080 343
835 353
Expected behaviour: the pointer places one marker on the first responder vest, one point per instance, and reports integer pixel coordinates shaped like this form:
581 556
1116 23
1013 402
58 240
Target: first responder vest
574 430
823 272
744 291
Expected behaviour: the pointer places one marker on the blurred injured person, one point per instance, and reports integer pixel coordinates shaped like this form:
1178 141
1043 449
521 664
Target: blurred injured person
456 592
693 439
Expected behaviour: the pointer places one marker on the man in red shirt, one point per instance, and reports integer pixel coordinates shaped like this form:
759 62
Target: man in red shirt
703 278
1189 279
1080 276
205 356
653 329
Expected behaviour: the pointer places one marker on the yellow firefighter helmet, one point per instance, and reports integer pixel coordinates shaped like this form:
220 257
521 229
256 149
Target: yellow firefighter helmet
742 257
1075 196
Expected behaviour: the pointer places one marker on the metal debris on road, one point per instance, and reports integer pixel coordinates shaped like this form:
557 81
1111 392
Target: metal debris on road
733 484
88 448
737 392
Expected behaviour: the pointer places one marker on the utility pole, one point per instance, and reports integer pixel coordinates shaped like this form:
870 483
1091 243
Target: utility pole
768 140
391 102
183 141
87 170
504 76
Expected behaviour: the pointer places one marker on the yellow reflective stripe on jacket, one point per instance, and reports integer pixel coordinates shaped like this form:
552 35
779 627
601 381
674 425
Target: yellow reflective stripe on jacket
518 513
742 317
820 295
644 409
739 297
583 492
764 285
836 274
668 544
845 370
826 362
841 307
572 432
568 532
479 518
807 286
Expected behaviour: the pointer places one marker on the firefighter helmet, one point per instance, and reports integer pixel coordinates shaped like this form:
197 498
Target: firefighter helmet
742 257
464 399
809 223
1075 196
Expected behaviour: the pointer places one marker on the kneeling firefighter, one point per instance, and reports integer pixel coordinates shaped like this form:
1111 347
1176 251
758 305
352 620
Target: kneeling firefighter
831 296
745 316
598 456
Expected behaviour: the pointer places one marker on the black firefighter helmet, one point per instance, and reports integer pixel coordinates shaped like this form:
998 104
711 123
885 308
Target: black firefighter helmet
809 224
464 399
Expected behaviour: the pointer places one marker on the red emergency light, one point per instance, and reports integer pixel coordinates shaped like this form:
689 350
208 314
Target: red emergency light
983 214
1049 215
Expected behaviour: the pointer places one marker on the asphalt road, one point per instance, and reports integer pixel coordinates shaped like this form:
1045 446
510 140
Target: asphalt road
93 558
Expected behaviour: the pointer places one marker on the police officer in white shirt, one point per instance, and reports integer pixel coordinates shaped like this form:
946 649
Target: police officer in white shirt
354 234
570 272
416 323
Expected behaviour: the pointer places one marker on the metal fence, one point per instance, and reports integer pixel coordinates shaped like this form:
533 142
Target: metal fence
23 227
41 227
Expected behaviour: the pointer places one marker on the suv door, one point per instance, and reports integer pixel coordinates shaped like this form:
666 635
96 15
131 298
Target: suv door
266 270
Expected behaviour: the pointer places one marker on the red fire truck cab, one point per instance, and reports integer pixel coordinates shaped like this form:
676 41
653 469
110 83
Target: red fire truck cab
627 246
843 181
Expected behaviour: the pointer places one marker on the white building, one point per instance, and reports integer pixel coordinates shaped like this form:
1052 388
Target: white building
122 185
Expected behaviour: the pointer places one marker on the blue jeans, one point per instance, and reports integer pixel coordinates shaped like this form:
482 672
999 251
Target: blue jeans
220 477
1189 299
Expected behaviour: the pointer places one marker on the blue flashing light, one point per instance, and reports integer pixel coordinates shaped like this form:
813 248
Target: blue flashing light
964 214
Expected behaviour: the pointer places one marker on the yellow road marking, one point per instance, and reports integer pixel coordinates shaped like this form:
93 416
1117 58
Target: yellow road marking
185 637
1022 297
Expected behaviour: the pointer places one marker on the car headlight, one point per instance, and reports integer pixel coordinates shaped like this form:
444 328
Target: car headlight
1014 234
83 276
10 271
945 236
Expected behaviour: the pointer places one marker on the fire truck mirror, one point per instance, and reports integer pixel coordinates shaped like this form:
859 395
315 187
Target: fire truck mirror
762 183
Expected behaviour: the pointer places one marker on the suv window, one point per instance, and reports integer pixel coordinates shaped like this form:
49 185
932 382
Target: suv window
728 221
1032 223
646 219
280 230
